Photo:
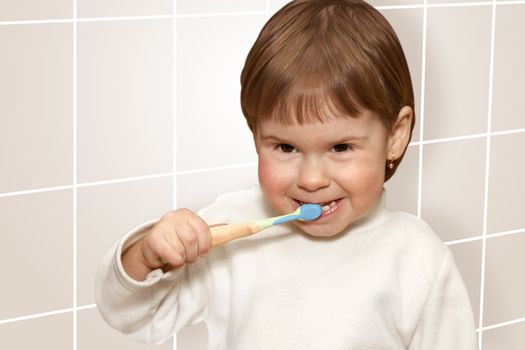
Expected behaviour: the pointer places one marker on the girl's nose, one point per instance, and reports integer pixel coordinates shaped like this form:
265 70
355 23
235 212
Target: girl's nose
313 175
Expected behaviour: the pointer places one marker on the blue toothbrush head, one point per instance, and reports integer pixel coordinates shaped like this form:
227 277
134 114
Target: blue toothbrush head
309 212
306 212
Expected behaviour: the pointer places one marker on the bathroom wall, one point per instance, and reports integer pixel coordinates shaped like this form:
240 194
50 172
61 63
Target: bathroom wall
113 112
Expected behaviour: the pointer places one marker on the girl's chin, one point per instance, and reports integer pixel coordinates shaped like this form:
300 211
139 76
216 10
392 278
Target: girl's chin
316 230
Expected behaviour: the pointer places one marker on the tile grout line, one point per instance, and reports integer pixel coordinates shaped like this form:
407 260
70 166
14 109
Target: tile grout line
505 233
217 168
75 176
223 14
422 105
35 316
503 324
87 184
487 175
488 236
174 182
124 18
451 5
174 102
468 137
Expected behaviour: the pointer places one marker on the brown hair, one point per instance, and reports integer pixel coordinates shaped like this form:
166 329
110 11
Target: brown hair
319 56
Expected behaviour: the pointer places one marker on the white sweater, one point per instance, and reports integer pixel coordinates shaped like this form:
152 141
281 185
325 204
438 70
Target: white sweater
388 282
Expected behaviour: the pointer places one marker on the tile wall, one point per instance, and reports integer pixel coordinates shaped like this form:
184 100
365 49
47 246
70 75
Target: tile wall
115 111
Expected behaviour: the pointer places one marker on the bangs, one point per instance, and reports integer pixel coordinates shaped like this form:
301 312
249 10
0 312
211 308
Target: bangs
311 102
307 87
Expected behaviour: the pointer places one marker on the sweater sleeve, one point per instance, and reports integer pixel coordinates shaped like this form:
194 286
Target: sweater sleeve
152 310
446 321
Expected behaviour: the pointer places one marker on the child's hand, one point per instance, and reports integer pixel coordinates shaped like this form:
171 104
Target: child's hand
179 237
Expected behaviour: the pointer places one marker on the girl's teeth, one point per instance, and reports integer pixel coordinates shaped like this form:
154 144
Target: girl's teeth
325 206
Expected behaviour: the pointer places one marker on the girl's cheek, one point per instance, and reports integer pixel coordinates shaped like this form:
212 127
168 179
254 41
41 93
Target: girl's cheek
273 176
360 176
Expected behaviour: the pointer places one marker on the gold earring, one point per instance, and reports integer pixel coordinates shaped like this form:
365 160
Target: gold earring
391 164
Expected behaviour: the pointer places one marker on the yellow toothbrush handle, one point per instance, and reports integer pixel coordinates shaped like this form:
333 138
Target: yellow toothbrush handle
224 233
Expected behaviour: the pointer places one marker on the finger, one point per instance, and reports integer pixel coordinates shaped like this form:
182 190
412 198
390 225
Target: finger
203 234
165 250
150 255
190 242
175 255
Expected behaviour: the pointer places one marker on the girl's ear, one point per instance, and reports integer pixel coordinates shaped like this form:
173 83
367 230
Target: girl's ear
400 133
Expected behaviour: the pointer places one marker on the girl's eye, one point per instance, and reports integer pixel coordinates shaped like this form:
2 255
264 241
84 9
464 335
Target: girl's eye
286 148
343 147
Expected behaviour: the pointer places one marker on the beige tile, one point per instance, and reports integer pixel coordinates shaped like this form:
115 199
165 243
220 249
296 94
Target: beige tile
211 6
37 253
124 99
114 8
197 190
193 337
453 188
107 212
276 5
457 71
401 189
211 129
50 332
36 136
408 25
94 333
510 337
508 107
504 283
506 186
468 260
16 10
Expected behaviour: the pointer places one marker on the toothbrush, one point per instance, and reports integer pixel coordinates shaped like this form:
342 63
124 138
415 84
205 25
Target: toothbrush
225 233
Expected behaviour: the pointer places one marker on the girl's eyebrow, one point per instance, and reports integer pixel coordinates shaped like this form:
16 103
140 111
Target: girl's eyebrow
271 137
343 139
350 139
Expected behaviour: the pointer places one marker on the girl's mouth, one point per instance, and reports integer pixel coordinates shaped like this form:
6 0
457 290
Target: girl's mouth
328 207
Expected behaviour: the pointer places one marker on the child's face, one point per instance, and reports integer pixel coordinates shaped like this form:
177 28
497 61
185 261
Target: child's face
340 163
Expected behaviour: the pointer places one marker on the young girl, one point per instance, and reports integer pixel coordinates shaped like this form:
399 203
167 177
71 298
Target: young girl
327 94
